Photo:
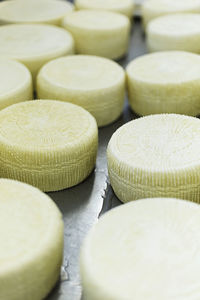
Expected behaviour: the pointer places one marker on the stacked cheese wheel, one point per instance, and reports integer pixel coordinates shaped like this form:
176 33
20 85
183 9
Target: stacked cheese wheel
31 231
49 144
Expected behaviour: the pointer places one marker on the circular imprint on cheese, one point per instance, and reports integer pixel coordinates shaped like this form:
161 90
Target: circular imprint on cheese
34 45
15 83
34 11
147 249
156 156
152 9
125 7
100 33
174 32
95 83
31 242
165 82
49 144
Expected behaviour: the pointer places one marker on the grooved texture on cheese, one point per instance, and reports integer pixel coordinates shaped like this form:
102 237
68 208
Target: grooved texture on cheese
100 33
147 249
95 83
156 156
31 242
49 144
165 82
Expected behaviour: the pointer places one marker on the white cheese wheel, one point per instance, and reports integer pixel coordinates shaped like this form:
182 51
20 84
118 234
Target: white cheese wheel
95 83
100 33
156 156
165 82
15 83
34 44
34 11
155 8
31 242
147 249
125 7
174 32
49 144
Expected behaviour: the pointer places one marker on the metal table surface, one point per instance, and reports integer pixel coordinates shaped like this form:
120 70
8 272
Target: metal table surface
81 205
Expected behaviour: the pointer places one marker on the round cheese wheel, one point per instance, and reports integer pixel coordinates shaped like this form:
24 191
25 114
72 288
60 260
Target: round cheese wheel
152 9
34 44
49 144
34 11
147 249
95 83
100 33
165 82
125 7
156 156
15 83
174 32
31 242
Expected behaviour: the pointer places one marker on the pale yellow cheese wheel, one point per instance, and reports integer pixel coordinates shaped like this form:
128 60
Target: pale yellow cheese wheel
34 44
34 11
146 249
156 156
95 83
100 33
125 7
174 32
31 231
165 82
49 144
152 9
15 83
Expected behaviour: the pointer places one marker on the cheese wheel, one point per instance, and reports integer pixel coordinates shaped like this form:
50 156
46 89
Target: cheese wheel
49 144
31 242
95 83
147 249
174 32
34 44
152 9
165 82
34 11
100 33
156 156
15 83
125 7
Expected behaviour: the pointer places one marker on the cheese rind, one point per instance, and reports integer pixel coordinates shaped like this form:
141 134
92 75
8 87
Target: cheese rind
165 82
156 156
152 9
100 33
31 242
34 11
49 144
174 32
145 249
95 83
125 7
34 44
16 83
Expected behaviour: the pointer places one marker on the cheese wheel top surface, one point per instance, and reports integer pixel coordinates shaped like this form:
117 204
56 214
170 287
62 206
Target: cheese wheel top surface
27 218
108 4
165 6
177 24
159 142
24 41
45 125
83 72
96 20
13 76
146 249
33 11
170 67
